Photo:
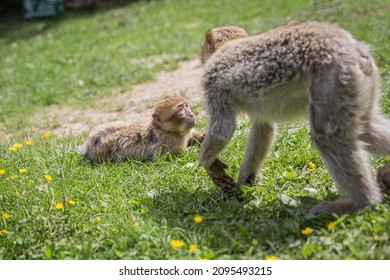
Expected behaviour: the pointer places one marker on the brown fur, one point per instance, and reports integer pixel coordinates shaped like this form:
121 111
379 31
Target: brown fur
168 132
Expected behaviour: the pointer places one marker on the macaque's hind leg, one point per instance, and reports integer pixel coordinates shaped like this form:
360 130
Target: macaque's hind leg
259 143
335 126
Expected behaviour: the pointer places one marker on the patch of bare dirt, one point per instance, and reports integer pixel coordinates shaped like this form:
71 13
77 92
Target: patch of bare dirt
136 104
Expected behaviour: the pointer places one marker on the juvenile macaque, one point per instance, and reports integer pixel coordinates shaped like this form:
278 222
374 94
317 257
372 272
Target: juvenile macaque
169 131
313 68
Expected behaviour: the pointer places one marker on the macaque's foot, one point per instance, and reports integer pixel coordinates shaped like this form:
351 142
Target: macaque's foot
383 178
338 207
247 180
220 177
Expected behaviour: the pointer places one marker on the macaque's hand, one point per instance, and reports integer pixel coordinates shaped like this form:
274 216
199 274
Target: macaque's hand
220 177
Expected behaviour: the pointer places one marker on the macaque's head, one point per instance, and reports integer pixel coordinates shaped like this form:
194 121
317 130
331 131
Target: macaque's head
173 114
218 36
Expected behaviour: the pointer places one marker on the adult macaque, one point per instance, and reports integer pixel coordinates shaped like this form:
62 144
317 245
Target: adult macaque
313 68
169 131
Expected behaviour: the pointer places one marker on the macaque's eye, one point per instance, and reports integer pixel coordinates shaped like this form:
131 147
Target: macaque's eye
180 110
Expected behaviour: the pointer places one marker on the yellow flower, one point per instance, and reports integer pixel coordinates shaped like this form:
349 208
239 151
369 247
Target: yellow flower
48 177
72 202
307 231
203 259
272 258
59 205
177 243
17 193
47 134
193 247
5 232
332 225
18 145
23 170
29 142
6 215
14 176
98 219
312 165
2 171
12 149
198 219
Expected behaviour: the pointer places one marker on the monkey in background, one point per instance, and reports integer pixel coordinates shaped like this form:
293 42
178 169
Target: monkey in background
169 132
306 67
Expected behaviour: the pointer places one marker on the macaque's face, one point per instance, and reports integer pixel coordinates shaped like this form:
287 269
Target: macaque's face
184 114
174 114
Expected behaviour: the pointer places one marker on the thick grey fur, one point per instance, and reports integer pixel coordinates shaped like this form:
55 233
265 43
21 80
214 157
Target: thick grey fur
314 69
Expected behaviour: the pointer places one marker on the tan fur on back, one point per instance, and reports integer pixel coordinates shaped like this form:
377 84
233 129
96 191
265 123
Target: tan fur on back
134 140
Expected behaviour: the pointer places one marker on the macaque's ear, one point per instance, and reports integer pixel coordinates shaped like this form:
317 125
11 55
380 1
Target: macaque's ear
209 43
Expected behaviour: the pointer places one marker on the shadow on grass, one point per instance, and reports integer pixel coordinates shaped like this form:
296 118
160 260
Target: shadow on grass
233 223
13 26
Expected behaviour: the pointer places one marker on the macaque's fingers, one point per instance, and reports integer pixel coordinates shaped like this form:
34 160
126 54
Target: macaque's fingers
226 183
220 177
383 178
199 135
196 138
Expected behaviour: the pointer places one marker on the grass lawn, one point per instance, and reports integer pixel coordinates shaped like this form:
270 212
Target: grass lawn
56 205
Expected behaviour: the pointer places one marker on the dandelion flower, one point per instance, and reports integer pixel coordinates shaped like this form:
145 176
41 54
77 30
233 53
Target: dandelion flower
29 142
48 177
12 149
198 219
203 259
5 232
47 134
177 243
312 165
23 170
193 247
59 205
18 145
271 258
2 171
72 202
17 193
332 225
13 177
98 219
6 215
307 231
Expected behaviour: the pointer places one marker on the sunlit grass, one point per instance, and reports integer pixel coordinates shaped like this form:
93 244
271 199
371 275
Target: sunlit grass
56 205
